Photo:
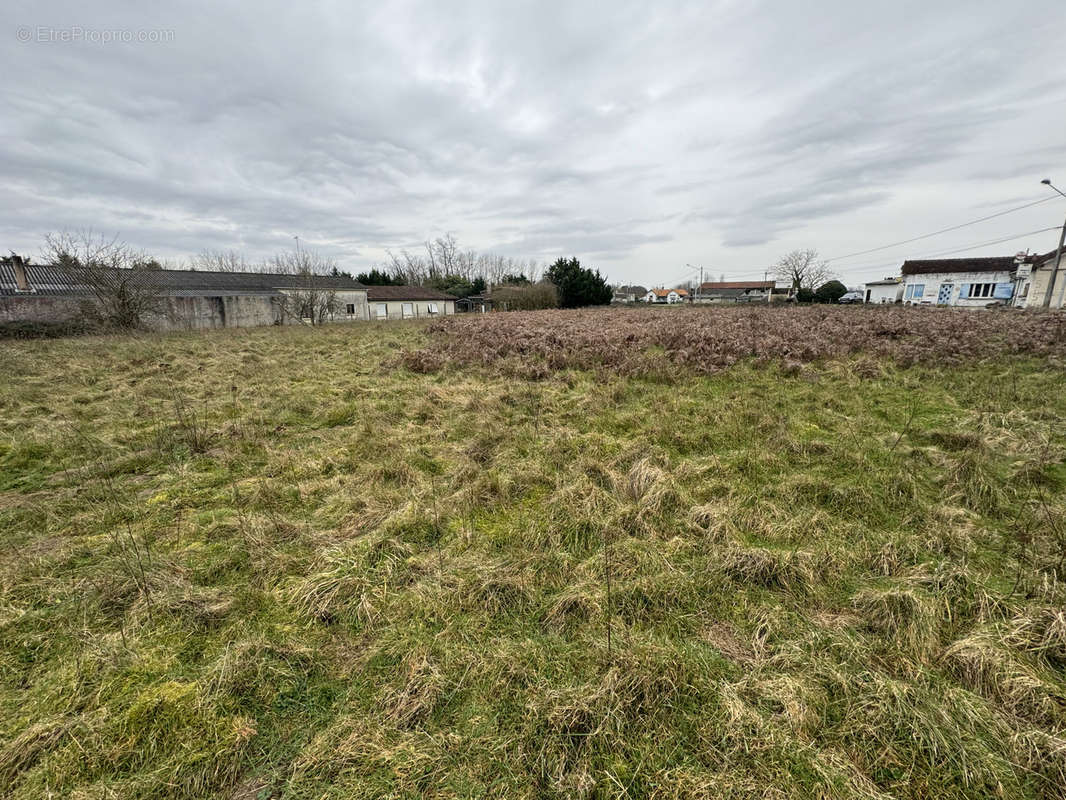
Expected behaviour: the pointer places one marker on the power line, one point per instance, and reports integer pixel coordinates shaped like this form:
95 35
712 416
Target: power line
943 230
963 249
687 275
927 236
915 256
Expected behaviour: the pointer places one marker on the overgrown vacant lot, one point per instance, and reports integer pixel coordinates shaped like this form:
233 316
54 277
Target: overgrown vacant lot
657 341
279 563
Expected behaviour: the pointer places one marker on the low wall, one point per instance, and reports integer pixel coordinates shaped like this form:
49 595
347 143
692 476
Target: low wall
229 311
39 309
177 313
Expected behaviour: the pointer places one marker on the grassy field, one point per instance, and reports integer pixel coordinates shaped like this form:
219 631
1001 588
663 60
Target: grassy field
314 564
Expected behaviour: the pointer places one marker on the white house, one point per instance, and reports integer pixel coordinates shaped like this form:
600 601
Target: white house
960 282
1035 281
890 290
408 302
670 296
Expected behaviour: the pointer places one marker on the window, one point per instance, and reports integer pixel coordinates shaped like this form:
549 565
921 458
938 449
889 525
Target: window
978 290
1003 291
433 308
919 290
350 308
383 310
408 310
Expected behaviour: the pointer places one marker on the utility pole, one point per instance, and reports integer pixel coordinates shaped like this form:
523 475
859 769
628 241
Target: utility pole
699 287
1058 254
297 238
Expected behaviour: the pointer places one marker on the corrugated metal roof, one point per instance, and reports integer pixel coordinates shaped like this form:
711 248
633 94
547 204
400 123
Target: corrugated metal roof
52 280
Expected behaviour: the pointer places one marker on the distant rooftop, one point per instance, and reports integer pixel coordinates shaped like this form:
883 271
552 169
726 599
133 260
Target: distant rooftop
384 293
926 266
714 286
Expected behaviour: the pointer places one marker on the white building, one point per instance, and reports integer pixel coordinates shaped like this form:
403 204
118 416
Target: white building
670 296
961 282
734 292
1034 282
629 294
890 290
408 302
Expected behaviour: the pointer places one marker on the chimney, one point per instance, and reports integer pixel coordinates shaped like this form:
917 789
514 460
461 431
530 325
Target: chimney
22 283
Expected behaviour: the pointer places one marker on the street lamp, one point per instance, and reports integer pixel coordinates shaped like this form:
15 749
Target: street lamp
1047 182
1058 253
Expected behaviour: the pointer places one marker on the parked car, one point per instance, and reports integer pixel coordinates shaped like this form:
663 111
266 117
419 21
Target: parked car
850 297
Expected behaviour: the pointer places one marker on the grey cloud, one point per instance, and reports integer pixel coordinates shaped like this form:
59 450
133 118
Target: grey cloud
642 136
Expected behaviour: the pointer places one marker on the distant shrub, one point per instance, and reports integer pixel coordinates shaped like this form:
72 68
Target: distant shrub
830 292
526 297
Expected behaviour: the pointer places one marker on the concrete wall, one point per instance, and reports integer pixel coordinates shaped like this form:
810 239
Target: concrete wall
1038 283
42 308
933 281
416 309
175 313
230 311
883 294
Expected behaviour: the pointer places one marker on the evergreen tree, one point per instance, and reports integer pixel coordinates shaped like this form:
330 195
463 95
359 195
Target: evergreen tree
578 286
830 292
377 277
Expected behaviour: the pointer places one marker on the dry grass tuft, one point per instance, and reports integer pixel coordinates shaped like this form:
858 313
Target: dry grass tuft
1041 633
986 668
353 578
498 591
23 751
1043 755
723 637
794 570
903 617
641 479
421 688
573 606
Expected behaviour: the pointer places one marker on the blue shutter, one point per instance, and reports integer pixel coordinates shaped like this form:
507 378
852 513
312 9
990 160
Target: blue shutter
964 291
1004 291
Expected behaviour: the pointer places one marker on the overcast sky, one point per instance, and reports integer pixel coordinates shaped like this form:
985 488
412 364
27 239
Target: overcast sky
638 136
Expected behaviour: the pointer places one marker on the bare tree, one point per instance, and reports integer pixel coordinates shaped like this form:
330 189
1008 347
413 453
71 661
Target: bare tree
411 269
445 261
803 269
121 285
220 261
308 300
